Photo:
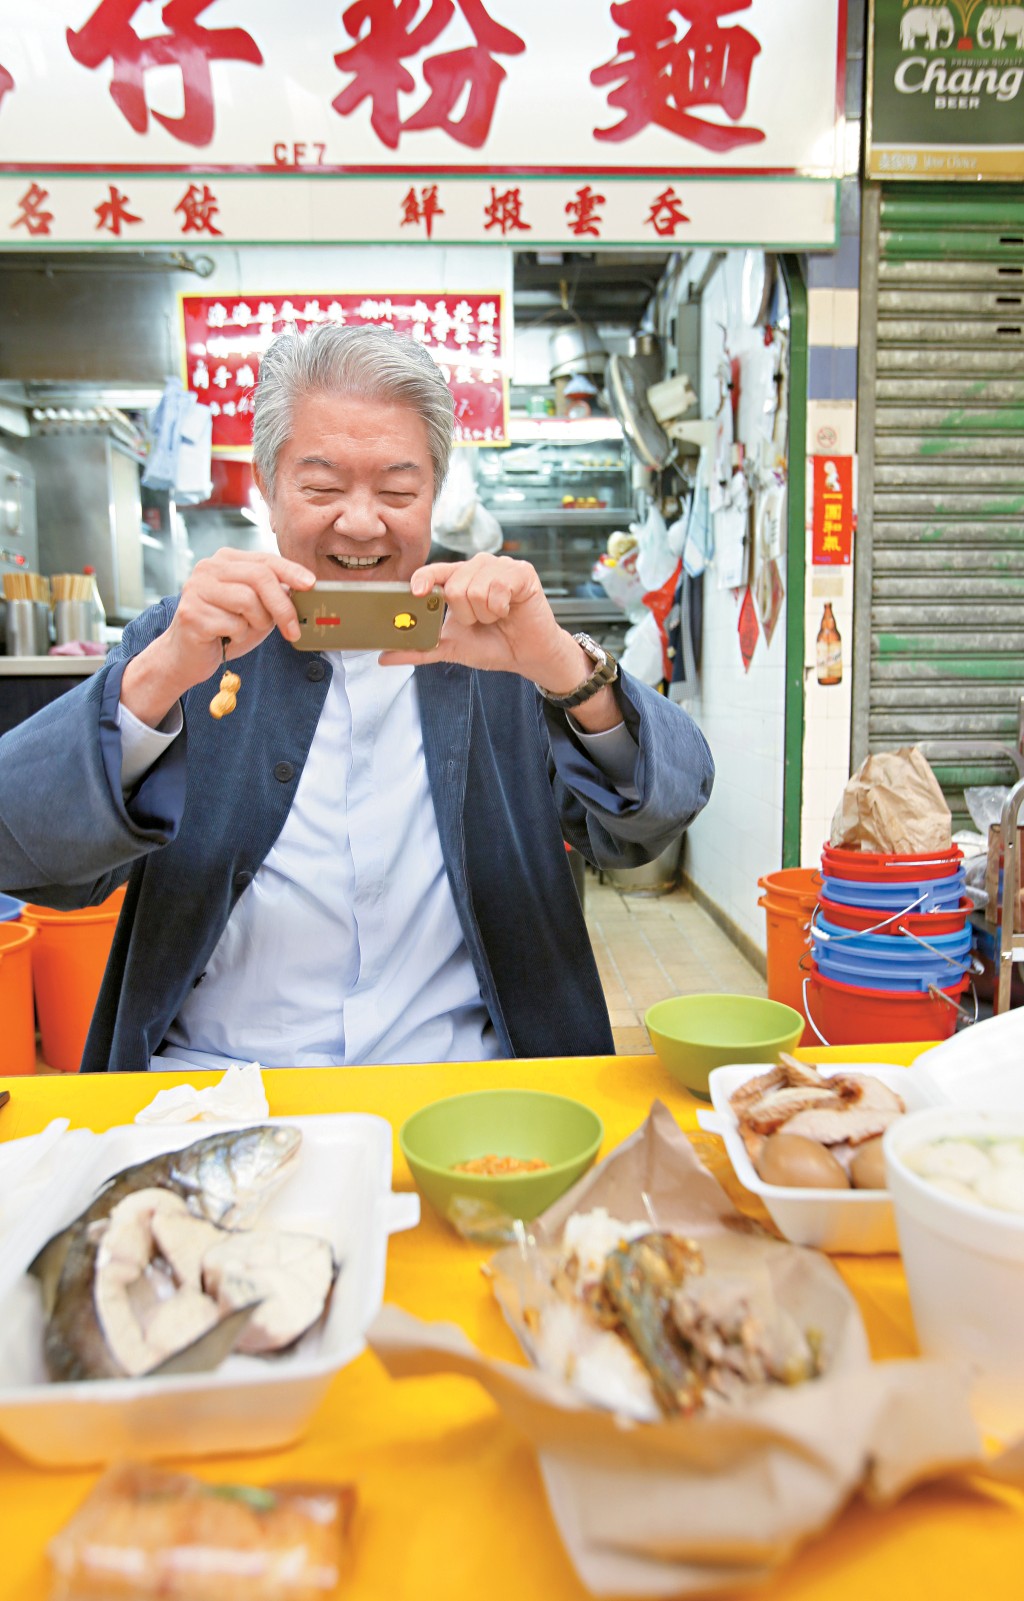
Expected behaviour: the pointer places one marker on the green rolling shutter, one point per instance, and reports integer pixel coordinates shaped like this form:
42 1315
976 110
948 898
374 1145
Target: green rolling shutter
939 626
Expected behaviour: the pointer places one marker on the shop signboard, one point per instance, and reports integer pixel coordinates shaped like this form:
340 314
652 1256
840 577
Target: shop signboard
832 511
587 121
224 337
946 89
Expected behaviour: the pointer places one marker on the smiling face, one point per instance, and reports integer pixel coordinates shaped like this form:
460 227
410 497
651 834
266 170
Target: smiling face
353 489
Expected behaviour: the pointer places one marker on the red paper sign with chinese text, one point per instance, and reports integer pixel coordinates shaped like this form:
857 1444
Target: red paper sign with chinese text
225 335
833 511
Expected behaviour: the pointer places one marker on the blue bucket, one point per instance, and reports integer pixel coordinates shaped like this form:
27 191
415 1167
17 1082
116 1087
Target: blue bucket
903 950
928 895
10 908
872 976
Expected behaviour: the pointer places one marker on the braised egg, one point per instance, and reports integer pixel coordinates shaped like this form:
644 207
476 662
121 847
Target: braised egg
794 1160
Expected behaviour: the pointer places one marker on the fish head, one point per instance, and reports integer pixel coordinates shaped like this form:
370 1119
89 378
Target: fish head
230 1176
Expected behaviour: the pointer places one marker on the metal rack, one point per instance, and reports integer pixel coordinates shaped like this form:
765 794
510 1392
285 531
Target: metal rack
1011 938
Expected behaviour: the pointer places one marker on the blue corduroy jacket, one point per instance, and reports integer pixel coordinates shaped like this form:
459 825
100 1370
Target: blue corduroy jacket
509 782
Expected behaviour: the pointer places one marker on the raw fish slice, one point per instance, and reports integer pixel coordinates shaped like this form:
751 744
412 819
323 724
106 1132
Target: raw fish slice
290 1275
182 1241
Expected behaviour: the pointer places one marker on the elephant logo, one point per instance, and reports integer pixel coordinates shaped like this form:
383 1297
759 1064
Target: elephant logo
928 27
998 26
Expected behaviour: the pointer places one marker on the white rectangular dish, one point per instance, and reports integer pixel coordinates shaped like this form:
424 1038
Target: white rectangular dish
340 1189
860 1222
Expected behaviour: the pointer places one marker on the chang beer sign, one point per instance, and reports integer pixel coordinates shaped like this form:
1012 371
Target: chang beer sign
946 89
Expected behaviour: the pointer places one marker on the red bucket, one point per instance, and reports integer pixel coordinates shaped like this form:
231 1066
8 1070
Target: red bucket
875 867
845 1014
864 920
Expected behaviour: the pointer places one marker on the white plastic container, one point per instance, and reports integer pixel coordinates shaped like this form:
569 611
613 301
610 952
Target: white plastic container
860 1222
341 1189
981 1066
964 1263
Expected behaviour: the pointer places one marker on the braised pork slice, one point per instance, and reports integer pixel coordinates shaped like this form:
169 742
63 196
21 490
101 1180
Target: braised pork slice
850 1123
781 1106
862 1091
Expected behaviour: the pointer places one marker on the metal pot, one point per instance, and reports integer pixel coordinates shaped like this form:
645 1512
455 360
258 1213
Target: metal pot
576 348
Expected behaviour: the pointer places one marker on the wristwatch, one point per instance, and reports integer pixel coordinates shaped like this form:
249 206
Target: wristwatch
606 671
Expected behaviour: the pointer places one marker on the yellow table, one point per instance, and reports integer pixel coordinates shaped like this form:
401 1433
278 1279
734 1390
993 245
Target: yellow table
452 1504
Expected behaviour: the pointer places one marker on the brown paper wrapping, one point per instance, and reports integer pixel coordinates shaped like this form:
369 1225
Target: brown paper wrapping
894 803
722 1498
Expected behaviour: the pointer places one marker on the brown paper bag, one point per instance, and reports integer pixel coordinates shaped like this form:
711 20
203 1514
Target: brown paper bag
893 803
721 1498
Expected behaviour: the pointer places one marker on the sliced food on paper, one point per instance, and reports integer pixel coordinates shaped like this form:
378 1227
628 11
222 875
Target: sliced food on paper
701 1396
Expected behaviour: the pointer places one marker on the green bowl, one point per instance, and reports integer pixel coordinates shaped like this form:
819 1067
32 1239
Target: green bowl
523 1123
692 1034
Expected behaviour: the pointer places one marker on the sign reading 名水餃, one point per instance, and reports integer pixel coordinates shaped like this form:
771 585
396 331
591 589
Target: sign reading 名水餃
946 89
833 511
123 123
225 336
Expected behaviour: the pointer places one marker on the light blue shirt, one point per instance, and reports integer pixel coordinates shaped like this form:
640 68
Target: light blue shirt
346 948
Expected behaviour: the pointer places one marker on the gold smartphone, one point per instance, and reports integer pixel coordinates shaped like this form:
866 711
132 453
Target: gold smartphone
366 616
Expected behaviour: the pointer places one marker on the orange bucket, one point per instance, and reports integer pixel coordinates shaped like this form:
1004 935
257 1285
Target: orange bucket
17 1016
68 961
789 899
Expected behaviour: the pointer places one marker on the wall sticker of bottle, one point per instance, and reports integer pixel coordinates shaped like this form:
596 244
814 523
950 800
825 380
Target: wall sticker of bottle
830 649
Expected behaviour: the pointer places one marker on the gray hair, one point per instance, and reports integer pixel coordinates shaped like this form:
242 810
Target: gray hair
365 363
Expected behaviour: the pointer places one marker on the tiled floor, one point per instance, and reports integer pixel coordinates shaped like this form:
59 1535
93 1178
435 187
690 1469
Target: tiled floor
649 947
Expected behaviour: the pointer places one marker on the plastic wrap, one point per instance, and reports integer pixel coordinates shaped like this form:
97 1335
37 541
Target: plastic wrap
144 1533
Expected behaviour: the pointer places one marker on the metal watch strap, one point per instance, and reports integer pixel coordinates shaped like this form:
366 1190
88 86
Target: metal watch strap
606 671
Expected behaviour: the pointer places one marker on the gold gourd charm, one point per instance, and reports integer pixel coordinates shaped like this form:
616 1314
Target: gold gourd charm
224 701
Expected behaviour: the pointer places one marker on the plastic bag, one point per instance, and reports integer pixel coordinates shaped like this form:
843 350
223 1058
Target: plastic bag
985 803
485 532
656 559
893 803
145 1534
643 655
456 505
621 584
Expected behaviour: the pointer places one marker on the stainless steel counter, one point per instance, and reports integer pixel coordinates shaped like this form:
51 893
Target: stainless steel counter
49 666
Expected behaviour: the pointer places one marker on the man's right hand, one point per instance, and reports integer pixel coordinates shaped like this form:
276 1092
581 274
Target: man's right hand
236 595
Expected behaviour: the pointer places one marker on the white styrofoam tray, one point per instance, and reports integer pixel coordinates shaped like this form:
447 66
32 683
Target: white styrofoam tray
340 1189
857 1221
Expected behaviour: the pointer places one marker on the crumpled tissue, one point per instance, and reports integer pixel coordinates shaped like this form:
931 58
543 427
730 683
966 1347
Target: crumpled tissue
239 1097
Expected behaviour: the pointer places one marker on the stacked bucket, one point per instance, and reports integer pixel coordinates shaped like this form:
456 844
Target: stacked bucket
890 947
51 966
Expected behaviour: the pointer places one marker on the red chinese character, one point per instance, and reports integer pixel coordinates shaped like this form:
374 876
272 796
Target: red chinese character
583 212
661 77
666 214
114 211
33 217
505 212
6 82
108 35
198 208
422 207
392 33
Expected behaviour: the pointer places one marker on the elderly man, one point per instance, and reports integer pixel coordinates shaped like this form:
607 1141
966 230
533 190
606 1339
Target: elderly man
364 862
